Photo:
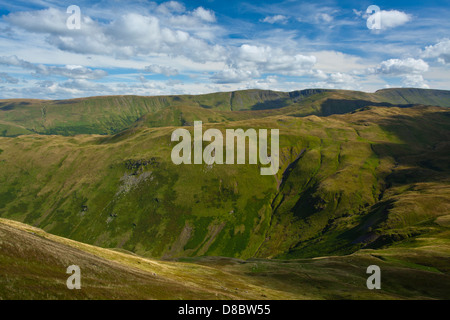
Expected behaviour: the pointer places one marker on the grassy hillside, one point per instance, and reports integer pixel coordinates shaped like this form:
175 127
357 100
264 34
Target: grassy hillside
33 265
108 115
384 179
415 96
363 176
361 180
112 114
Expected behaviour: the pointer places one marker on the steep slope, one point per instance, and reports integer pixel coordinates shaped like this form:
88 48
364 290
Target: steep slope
415 96
33 265
110 115
362 180
107 115
367 191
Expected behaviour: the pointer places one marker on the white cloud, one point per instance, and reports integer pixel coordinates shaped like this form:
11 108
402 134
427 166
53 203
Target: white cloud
204 14
410 70
171 7
415 81
396 67
68 71
127 35
334 80
339 77
275 19
393 18
268 59
43 21
441 51
268 83
212 54
388 19
231 75
335 61
167 71
250 61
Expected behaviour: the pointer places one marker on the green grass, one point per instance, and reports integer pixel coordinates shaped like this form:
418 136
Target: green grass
37 271
373 179
349 163
113 114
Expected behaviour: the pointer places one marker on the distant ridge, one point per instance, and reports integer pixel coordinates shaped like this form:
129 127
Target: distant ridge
112 114
433 97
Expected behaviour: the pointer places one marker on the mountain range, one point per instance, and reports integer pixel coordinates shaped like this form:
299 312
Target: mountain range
363 176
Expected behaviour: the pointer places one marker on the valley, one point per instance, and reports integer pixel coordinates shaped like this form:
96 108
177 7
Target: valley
363 179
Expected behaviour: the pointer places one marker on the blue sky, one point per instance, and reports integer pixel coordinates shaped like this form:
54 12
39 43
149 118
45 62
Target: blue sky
191 47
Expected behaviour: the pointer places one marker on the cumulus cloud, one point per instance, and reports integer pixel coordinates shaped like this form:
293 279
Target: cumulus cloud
441 51
388 18
68 71
174 33
43 21
127 35
268 59
231 75
334 80
410 70
268 83
204 14
275 19
393 18
250 61
339 77
168 39
171 7
415 81
396 67
167 71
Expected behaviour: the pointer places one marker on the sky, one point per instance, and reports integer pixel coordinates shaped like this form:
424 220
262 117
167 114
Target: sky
148 48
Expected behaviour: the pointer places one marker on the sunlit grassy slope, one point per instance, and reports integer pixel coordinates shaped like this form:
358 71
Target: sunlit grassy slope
33 265
112 114
364 175
361 180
